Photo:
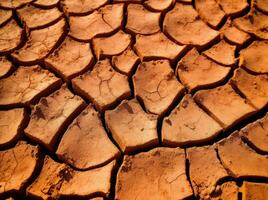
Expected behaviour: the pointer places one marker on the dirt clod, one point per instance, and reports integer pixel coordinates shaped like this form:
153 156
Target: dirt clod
133 99
161 175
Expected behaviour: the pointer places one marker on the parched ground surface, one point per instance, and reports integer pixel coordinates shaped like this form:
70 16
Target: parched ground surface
134 99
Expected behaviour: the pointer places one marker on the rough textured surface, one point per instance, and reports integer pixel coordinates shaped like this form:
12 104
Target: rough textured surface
5 15
10 132
161 175
156 85
183 25
222 53
210 11
142 21
26 85
225 105
97 198
255 23
51 115
157 46
13 3
256 134
102 21
75 7
158 5
46 3
197 71
17 166
259 63
126 61
58 180
262 5
85 144
140 78
226 191
244 163
254 191
34 17
10 37
110 46
39 44
136 130
205 170
6 66
231 7
185 1
254 88
70 59
188 124
233 35
128 1
107 85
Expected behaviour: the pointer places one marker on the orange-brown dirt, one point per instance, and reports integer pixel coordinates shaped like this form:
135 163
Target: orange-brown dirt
134 99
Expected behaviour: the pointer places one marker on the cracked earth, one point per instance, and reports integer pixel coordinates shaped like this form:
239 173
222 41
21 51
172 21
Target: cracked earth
134 99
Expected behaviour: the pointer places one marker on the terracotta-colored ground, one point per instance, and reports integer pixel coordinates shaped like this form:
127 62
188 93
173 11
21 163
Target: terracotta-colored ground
134 99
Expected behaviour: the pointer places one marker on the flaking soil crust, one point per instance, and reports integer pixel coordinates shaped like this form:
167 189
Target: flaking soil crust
134 99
